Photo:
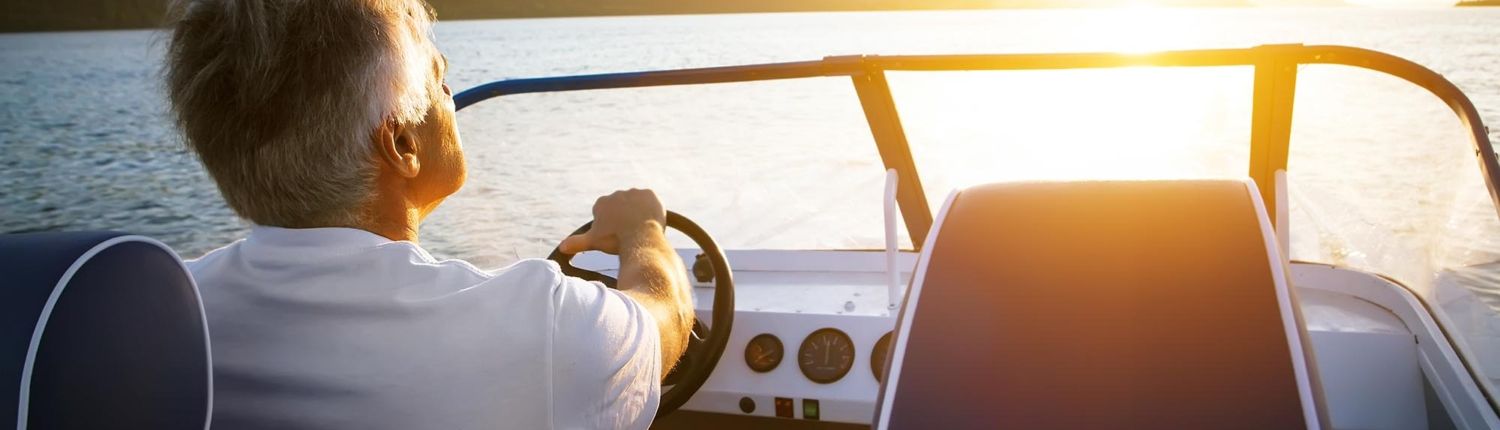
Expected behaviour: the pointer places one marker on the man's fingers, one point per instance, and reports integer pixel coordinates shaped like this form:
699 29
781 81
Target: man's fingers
575 244
614 214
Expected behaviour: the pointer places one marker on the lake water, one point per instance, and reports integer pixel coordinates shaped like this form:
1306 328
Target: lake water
1381 176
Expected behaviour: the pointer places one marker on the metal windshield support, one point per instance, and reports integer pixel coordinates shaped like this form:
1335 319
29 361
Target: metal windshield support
1271 124
1275 83
895 152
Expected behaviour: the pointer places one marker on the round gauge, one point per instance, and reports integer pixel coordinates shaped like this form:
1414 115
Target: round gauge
877 355
763 353
826 355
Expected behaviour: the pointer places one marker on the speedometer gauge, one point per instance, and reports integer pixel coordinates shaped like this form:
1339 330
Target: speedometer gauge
826 355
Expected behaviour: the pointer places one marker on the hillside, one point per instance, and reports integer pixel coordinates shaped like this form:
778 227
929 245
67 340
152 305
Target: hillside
55 15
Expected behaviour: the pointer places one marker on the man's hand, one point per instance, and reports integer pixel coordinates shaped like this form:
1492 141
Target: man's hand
631 224
619 218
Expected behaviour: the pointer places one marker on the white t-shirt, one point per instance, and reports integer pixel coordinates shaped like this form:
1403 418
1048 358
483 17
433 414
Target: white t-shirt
336 328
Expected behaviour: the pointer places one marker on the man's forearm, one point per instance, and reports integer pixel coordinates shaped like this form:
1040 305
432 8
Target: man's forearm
652 273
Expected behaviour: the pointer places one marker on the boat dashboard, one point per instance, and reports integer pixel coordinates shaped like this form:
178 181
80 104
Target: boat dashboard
809 333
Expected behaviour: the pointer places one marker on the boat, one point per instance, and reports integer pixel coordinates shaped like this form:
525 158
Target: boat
1036 304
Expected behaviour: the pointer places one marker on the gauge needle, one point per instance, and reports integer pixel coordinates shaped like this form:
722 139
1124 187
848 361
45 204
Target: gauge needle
765 356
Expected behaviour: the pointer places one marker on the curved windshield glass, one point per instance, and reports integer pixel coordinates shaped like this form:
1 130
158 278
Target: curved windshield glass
1383 178
799 171
967 128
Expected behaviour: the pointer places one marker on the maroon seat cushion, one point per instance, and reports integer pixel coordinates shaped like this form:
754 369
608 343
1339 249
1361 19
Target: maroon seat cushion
1098 305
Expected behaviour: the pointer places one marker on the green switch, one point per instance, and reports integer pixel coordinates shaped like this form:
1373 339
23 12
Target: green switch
809 409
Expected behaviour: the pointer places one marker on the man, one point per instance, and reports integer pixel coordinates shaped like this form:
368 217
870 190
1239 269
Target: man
327 124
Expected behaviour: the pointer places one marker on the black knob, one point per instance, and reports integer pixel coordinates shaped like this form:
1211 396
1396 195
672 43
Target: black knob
703 270
747 405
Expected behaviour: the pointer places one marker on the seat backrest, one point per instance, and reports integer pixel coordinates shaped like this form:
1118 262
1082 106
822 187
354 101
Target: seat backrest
1133 304
100 330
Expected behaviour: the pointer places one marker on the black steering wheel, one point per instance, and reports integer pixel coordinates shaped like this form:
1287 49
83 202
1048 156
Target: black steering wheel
705 344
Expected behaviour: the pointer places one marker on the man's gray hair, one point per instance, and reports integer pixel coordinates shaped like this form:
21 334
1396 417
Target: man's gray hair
279 98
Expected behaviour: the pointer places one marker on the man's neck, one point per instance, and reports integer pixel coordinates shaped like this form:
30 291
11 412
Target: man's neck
393 231
395 220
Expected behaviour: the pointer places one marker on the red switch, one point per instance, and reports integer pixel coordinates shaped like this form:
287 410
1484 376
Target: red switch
784 407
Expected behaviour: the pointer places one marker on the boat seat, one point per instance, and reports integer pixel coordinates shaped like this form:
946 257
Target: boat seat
1101 305
100 330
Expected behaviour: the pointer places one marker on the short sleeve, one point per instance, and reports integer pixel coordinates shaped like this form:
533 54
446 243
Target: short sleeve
606 351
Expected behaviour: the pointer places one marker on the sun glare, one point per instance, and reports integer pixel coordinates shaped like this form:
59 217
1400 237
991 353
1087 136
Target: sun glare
1132 123
1137 28
1140 4
1132 26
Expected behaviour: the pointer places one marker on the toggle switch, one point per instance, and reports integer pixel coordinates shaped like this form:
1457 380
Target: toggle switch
784 407
809 409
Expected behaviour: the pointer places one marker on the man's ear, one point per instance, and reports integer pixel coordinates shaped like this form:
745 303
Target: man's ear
397 147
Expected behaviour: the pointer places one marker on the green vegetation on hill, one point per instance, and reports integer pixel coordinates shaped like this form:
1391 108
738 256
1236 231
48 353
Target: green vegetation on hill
473 9
55 15
52 15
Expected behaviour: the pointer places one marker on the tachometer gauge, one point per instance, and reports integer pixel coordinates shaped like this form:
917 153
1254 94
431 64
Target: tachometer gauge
763 353
826 355
877 356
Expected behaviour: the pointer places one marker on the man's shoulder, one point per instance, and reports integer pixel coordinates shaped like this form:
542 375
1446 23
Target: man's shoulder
400 265
210 257
529 271
567 294
528 280
535 277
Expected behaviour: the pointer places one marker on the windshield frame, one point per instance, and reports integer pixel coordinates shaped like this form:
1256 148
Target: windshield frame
1271 116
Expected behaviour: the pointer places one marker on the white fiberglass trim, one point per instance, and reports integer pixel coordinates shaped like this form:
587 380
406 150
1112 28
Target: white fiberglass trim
1441 360
893 272
1295 342
41 324
908 312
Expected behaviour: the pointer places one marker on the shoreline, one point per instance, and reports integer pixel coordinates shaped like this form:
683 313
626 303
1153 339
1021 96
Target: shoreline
9 28
61 15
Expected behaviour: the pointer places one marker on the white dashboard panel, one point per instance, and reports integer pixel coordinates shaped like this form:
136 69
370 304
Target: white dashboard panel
850 399
790 294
